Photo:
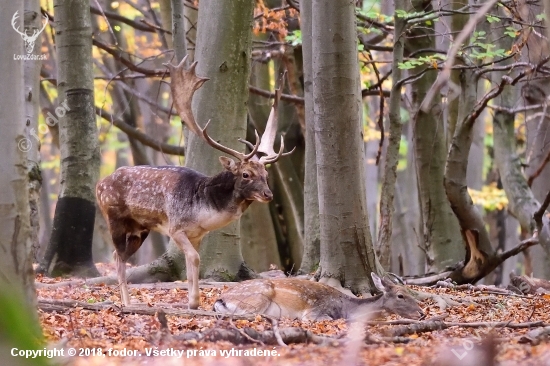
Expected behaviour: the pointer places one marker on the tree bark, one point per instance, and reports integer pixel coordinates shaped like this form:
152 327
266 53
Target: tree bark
16 273
70 247
33 22
522 201
258 239
223 54
347 253
440 229
311 251
392 151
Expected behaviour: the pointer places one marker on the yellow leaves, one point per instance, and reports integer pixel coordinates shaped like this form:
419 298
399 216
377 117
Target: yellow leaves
399 351
266 19
490 197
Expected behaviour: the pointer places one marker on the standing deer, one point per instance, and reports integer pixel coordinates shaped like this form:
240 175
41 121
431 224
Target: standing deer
308 300
180 202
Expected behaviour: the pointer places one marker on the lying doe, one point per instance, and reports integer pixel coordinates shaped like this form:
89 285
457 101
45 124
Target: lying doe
180 202
308 300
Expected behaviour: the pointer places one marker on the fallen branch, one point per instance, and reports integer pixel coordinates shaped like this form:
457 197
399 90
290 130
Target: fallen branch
422 327
535 336
268 337
107 280
49 305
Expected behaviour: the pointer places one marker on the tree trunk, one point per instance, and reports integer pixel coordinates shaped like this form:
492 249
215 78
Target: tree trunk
347 254
15 141
191 19
441 232
311 256
392 150
523 200
223 55
70 247
33 22
258 239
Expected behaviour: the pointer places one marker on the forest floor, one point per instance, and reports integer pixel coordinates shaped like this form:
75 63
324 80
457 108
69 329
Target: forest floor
108 329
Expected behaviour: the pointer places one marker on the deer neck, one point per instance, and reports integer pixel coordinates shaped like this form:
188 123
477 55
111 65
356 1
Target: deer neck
221 194
374 304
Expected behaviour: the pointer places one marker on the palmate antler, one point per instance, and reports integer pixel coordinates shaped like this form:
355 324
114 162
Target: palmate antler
184 83
268 138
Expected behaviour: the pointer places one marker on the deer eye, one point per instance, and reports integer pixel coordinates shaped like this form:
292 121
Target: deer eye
400 296
245 175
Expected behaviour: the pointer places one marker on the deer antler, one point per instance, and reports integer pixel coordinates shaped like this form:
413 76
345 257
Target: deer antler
268 138
184 83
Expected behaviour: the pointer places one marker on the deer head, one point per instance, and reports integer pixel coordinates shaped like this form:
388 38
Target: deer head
29 40
396 299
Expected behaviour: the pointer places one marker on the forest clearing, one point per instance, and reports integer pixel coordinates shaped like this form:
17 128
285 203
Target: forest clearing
293 182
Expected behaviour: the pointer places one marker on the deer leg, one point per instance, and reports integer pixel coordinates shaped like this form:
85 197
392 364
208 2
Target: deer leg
121 272
192 261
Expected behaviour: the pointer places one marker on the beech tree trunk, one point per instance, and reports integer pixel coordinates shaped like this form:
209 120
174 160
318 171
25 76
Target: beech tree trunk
311 253
258 239
223 54
440 230
389 179
347 253
70 247
16 273
33 21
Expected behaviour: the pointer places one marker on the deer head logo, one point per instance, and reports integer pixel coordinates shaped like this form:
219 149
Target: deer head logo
29 40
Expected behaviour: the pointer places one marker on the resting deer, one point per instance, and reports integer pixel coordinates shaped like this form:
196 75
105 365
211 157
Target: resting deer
180 202
308 300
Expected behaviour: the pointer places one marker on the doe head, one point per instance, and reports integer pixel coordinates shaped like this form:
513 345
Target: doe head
250 179
396 299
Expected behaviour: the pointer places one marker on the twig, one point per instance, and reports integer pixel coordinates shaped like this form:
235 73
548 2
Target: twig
275 327
244 334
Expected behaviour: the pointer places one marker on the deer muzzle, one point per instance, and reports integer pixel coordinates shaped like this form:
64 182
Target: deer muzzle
264 196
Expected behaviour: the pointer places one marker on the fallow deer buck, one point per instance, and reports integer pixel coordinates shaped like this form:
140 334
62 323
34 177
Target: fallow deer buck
180 202
308 300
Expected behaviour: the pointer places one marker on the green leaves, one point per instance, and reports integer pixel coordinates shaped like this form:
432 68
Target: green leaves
482 50
294 38
492 19
423 60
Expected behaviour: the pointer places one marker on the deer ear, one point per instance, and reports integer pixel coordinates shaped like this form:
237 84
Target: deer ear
378 282
228 164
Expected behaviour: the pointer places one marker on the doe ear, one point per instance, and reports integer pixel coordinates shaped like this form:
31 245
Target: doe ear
378 282
228 164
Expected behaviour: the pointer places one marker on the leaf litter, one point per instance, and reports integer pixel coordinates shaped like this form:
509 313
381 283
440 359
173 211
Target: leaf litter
109 328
